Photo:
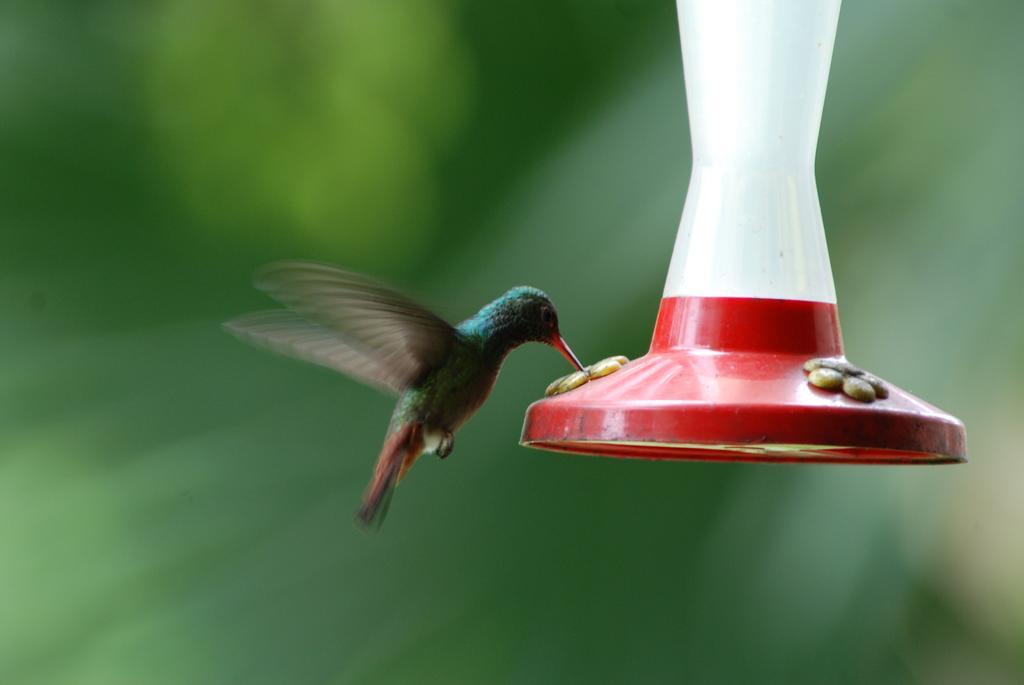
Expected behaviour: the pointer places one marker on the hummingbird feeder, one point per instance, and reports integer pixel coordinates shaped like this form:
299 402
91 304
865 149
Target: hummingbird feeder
749 297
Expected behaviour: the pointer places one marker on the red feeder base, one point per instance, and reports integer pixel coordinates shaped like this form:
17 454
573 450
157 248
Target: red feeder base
724 381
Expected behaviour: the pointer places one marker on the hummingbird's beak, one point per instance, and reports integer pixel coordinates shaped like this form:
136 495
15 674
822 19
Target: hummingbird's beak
559 344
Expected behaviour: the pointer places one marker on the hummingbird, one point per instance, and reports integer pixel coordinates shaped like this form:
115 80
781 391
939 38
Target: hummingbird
441 373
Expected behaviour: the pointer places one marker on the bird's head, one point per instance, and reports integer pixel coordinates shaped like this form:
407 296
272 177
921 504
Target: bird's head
527 315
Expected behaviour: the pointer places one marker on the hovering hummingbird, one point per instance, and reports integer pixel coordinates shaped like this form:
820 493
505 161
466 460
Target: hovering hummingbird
441 373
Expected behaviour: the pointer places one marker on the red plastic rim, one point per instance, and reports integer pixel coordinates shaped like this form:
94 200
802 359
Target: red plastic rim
724 381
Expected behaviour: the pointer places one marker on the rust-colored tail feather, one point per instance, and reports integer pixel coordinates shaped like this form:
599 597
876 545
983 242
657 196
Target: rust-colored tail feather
399 451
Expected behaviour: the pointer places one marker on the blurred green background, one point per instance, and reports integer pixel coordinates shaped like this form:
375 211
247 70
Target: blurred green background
175 507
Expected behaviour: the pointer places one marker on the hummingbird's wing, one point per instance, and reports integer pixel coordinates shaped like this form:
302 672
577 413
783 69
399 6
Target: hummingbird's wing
288 333
396 339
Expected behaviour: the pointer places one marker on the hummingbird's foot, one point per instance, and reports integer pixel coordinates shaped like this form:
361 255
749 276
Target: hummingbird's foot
447 444
837 374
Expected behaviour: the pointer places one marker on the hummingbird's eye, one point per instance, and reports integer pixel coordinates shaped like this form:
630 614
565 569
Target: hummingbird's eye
546 315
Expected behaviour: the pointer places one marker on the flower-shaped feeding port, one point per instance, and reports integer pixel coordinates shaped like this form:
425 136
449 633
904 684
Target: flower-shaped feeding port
749 299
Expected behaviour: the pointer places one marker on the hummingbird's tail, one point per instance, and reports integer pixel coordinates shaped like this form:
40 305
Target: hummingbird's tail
401 448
